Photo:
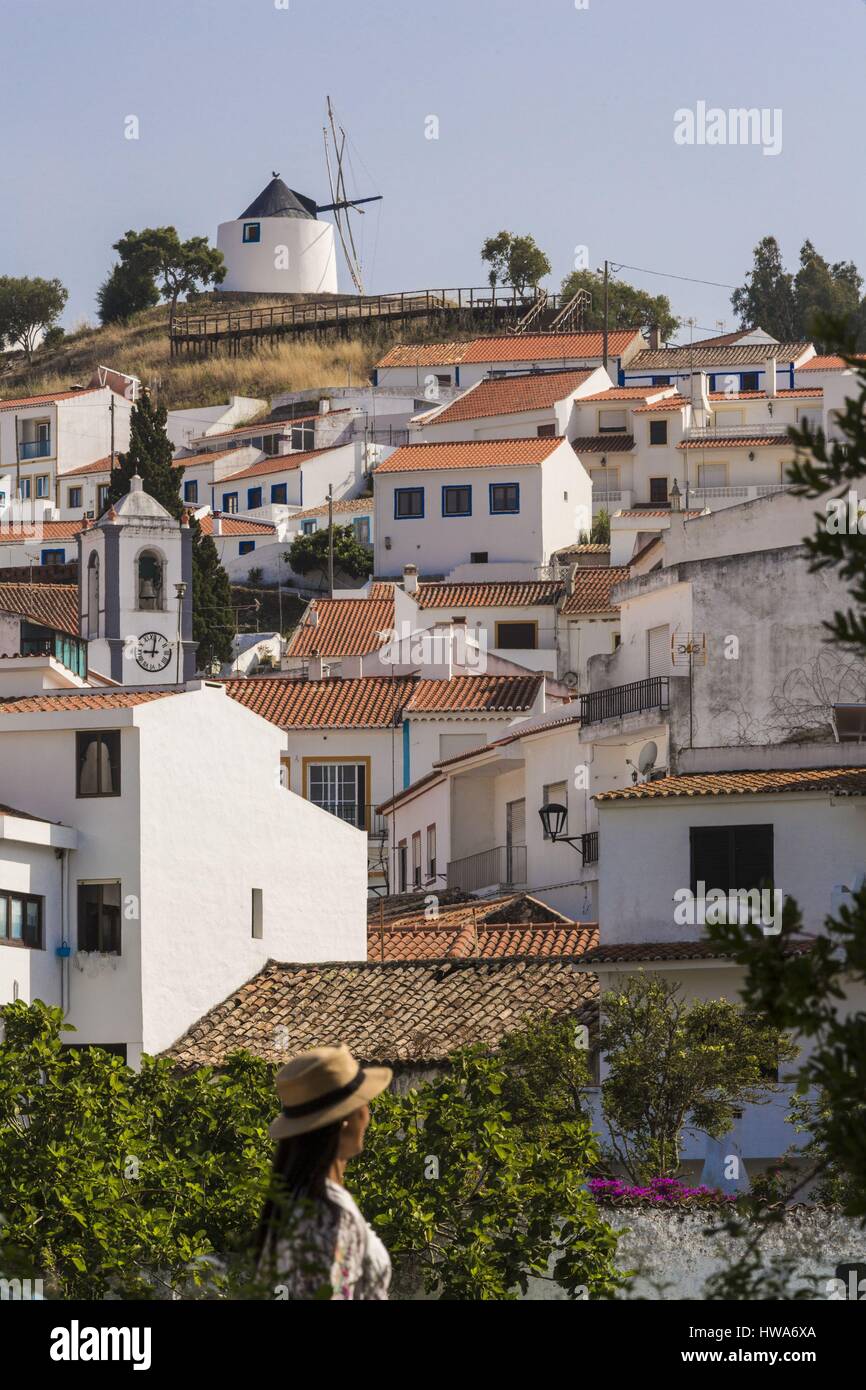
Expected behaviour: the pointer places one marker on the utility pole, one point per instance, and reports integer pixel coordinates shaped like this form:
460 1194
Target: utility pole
604 332
111 413
330 540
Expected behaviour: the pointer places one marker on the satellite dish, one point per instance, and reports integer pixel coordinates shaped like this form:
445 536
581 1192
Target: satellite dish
647 758
570 679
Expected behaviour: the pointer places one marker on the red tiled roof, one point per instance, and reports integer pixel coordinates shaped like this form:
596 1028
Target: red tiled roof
658 511
280 463
628 393
496 694
756 441
824 364
507 594
47 398
262 427
675 950
193 459
512 395
474 453
41 530
50 605
675 402
235 525
79 700
98 466
368 702
341 504
463 942
345 627
697 357
549 347
603 444
840 781
762 395
592 589
423 355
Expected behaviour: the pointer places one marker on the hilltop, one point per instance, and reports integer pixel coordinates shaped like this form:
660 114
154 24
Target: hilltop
141 348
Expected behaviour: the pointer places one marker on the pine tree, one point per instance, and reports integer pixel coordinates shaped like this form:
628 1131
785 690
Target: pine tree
150 456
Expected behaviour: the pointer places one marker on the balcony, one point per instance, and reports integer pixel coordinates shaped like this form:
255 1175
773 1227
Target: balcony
362 817
589 847
634 698
71 652
761 430
706 496
502 867
34 449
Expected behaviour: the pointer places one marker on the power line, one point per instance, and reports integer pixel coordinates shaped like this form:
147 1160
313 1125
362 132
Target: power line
690 279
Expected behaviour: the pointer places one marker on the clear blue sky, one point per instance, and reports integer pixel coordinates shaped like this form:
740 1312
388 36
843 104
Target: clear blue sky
552 120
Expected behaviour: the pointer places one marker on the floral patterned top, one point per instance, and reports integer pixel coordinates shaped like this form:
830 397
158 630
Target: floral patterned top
333 1246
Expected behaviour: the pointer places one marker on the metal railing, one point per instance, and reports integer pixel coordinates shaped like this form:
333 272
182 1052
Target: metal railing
719 431
589 847
634 698
362 816
70 651
34 449
503 866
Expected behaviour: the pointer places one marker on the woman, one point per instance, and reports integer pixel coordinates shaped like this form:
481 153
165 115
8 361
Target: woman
312 1235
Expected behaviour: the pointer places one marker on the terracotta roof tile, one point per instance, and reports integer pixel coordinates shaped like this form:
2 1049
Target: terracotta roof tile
825 364
14 531
437 942
507 594
496 694
657 511
102 465
756 441
50 605
675 402
47 398
342 505
396 1012
368 702
695 357
344 627
592 587
193 459
423 355
511 396
549 347
81 699
674 950
236 526
628 393
603 443
840 781
475 453
784 392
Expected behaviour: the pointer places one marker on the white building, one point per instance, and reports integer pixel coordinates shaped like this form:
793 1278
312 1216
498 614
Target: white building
45 438
524 406
279 246
196 421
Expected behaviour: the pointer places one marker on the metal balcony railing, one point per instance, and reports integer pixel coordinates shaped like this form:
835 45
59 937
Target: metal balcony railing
363 817
720 431
504 866
34 449
634 698
589 847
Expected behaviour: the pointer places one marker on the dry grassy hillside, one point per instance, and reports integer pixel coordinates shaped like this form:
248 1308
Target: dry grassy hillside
141 348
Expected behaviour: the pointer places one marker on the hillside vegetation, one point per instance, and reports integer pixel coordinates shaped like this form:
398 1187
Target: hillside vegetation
141 348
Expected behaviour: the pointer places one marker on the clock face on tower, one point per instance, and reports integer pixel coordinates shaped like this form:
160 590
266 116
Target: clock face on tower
153 651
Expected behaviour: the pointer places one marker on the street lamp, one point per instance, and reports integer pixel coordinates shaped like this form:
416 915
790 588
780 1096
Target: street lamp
180 590
553 818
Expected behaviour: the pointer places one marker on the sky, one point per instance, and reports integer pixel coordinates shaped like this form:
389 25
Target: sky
555 118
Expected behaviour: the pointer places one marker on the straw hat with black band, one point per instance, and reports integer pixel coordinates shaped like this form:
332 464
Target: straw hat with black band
322 1086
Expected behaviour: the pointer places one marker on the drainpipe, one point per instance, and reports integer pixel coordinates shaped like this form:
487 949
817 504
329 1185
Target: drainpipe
64 950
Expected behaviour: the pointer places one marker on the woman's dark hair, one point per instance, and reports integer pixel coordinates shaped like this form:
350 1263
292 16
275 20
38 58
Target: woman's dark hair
301 1165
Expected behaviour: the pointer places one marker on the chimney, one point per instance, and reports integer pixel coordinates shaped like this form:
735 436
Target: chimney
770 377
700 398
655 337
324 405
410 579
217 524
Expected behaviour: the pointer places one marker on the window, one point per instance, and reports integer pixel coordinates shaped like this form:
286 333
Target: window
431 851
99 918
658 432
416 859
190 491
340 788
443 378
257 917
24 489
457 501
514 635
73 497
712 474
279 493
731 857
21 920
402 852
308 527
749 381
252 233
244 547
361 526
102 496
304 436
658 648
504 497
151 595
42 485
612 421
604 480
53 557
408 502
661 381
98 762
546 431
230 502
254 498
478 557
658 491
555 794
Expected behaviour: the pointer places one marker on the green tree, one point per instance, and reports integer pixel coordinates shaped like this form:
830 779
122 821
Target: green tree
180 267
822 290
495 252
29 306
309 554
514 260
674 1065
127 290
628 307
599 532
150 455
766 300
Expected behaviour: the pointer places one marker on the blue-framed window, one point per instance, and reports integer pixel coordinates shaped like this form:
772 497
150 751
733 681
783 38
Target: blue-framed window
308 527
190 491
279 492
457 500
53 557
254 498
408 503
244 547
252 232
74 497
504 498
230 501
